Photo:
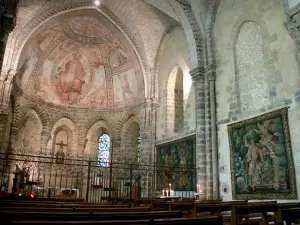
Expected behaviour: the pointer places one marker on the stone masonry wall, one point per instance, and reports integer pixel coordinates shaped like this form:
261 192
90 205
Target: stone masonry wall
35 125
278 73
174 53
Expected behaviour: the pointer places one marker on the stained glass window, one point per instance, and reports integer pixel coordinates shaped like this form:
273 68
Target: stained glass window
139 149
103 150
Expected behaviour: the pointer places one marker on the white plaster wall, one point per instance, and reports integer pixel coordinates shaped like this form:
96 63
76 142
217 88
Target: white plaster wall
174 51
230 15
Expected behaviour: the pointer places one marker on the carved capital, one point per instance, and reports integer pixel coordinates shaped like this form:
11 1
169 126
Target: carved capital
198 75
210 72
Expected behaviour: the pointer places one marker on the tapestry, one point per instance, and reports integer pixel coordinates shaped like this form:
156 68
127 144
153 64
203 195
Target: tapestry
261 159
175 165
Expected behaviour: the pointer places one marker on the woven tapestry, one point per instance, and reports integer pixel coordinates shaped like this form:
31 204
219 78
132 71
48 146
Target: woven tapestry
175 165
261 159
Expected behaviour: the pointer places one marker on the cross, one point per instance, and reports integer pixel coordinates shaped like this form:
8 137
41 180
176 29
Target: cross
61 145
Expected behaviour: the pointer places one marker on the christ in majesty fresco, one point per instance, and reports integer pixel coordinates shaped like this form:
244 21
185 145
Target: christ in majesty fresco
70 79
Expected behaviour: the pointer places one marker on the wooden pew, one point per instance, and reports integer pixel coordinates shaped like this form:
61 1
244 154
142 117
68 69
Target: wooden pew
57 205
288 212
215 209
64 216
213 220
76 209
243 214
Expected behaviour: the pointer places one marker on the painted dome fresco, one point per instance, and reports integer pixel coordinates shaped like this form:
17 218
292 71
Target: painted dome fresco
81 60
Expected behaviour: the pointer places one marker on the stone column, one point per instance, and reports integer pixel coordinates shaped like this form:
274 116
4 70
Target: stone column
81 146
293 26
198 82
210 76
45 137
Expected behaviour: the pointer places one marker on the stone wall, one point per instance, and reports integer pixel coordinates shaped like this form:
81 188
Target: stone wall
36 124
274 77
172 62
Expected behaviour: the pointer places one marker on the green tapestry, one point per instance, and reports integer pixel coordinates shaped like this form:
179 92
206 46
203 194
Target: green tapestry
261 158
175 165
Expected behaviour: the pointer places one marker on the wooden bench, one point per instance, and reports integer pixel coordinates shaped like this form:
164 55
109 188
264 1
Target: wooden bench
65 216
288 212
251 213
58 205
213 220
76 209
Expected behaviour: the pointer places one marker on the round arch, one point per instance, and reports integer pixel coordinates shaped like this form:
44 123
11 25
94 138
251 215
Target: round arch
36 23
67 125
93 135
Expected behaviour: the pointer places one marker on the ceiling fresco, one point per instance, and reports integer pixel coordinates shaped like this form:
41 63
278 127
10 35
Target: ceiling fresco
80 59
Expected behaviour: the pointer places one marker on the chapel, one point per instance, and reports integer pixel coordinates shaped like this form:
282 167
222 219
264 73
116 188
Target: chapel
124 100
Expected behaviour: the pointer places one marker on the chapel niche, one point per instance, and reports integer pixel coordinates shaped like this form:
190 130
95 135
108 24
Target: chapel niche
61 146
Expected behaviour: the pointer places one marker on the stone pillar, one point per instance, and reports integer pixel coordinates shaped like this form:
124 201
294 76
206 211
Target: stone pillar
45 137
81 146
197 75
210 76
293 26
206 133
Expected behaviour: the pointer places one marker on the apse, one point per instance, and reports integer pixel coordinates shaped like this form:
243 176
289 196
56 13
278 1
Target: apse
80 59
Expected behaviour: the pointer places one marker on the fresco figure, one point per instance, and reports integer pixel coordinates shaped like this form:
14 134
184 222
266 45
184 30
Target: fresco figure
126 89
117 56
39 87
254 158
69 81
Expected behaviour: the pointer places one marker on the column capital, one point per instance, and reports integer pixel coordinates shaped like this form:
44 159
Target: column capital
200 73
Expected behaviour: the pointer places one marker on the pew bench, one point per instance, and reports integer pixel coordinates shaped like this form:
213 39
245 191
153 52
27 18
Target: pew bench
79 216
58 205
75 209
212 220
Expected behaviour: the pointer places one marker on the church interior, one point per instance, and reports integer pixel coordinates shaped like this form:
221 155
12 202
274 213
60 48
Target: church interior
150 111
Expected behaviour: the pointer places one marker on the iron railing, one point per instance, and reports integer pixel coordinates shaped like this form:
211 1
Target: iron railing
84 180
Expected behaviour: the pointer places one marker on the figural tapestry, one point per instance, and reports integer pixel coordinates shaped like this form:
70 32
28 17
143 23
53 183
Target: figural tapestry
261 159
175 165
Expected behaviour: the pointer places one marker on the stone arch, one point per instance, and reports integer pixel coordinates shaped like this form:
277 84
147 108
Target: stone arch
38 111
29 134
40 19
129 140
209 27
93 135
94 119
67 125
123 120
57 117
174 106
267 39
197 31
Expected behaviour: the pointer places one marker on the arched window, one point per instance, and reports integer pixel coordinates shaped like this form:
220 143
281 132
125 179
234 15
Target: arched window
103 150
139 149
